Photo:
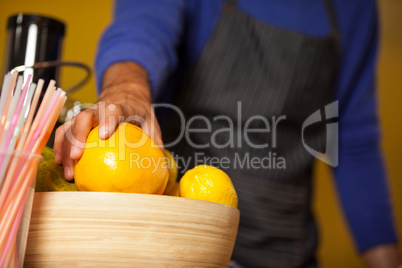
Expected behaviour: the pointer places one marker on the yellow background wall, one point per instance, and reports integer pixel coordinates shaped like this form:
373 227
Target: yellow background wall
337 247
86 19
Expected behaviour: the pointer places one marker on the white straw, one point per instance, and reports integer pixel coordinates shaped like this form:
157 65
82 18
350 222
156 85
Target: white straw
4 91
14 101
11 110
17 130
20 124
25 108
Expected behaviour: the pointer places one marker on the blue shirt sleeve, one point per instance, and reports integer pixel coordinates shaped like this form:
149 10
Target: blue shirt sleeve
360 176
146 32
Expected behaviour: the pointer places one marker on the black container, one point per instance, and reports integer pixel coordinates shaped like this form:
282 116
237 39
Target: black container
31 39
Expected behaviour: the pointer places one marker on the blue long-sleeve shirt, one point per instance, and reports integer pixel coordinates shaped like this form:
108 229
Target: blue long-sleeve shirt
167 36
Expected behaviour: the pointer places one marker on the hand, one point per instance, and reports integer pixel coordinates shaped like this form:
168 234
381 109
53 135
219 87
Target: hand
382 256
125 97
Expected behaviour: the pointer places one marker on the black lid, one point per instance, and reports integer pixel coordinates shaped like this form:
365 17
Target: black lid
25 20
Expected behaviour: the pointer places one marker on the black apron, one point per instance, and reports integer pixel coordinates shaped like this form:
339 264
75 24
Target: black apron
251 69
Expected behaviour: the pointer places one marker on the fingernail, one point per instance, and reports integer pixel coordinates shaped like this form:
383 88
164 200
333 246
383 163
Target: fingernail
74 152
68 173
103 131
58 158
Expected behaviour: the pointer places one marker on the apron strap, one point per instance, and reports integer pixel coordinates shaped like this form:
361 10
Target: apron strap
330 9
232 3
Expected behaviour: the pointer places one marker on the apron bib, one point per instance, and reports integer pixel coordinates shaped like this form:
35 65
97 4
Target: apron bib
249 71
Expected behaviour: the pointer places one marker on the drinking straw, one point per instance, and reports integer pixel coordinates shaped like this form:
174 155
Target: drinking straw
50 119
11 109
13 260
26 127
10 210
12 136
49 92
15 115
24 111
18 157
7 103
7 92
16 262
8 108
7 136
14 100
14 227
28 146
18 117
47 130
46 115
14 192
8 255
32 110
4 91
31 144
20 129
9 260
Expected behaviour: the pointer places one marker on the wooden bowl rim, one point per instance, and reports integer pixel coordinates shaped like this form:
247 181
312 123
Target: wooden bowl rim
138 196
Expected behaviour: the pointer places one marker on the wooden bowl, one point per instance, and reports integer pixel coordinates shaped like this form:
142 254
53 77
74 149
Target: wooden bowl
90 229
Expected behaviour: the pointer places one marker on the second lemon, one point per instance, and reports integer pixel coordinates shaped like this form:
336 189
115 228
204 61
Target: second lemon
210 184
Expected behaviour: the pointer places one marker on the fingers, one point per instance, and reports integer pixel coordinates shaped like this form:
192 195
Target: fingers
153 130
68 163
58 142
109 120
159 141
70 140
77 137
74 140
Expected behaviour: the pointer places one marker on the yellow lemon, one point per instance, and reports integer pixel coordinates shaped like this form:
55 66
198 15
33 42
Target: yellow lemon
172 187
129 161
208 183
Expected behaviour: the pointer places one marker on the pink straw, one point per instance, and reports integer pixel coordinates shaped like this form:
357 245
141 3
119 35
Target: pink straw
10 178
32 110
50 120
5 192
13 230
15 119
31 136
39 114
45 117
